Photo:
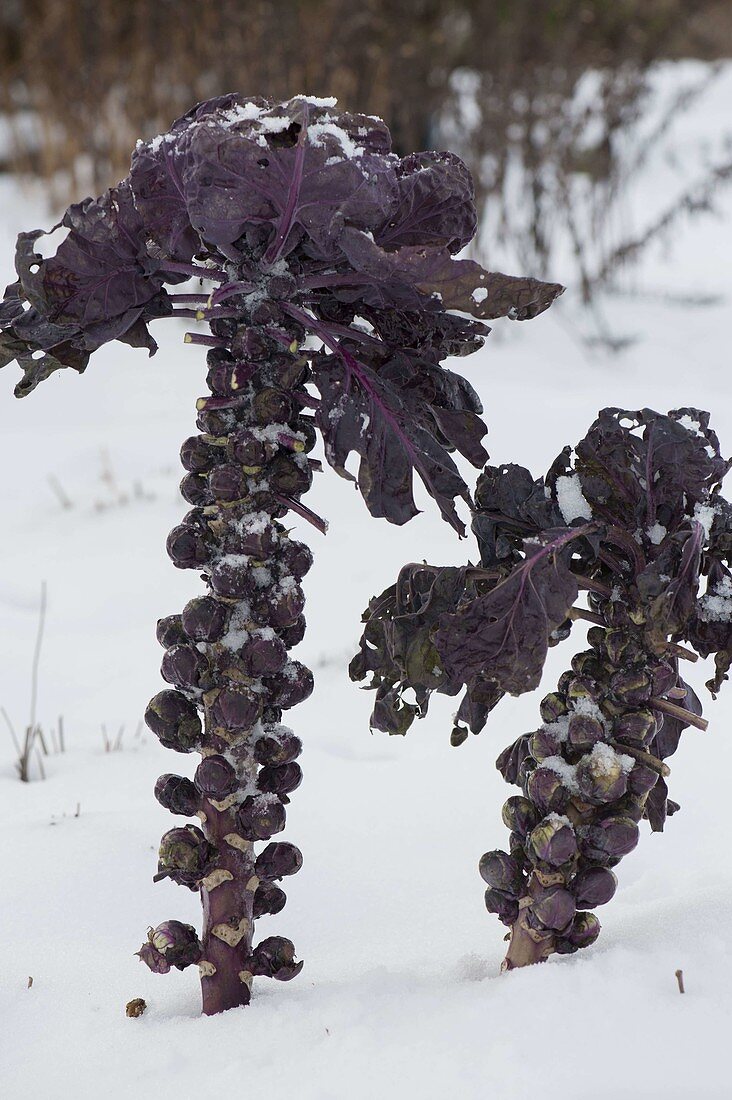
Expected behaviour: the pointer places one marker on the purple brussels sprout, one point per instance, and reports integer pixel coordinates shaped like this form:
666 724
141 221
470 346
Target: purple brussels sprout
194 488
502 872
593 886
293 685
553 908
204 619
186 668
519 815
260 816
269 899
275 958
198 455
216 778
602 775
263 656
275 749
584 931
504 905
185 856
280 779
608 841
278 860
170 631
584 732
186 548
171 944
544 787
178 794
236 708
295 559
174 720
552 842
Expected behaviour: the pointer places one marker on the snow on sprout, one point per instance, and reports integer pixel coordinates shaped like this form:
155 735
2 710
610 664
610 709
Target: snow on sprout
716 607
571 499
704 514
656 533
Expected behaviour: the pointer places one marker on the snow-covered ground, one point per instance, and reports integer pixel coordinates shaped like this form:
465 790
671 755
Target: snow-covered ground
400 995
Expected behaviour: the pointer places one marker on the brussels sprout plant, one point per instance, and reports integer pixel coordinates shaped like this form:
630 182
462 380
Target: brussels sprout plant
633 518
323 266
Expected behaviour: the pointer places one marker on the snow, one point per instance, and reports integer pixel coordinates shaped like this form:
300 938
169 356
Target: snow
400 995
716 606
704 514
571 500
567 772
318 131
656 534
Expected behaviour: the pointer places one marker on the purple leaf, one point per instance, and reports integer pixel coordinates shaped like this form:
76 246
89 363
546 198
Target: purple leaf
505 634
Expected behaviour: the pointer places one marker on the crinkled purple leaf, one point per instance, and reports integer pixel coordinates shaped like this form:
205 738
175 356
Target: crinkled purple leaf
435 205
505 634
418 277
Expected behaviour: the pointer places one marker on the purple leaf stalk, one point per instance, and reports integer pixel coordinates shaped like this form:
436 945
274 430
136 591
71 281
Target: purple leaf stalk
632 517
323 265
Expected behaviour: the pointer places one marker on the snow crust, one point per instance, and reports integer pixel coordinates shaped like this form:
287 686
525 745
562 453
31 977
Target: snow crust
571 500
716 606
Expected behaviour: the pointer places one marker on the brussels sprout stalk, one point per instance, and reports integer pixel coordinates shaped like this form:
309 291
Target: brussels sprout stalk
634 517
227 653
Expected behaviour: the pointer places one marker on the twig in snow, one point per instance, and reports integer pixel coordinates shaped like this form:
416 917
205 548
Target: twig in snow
680 980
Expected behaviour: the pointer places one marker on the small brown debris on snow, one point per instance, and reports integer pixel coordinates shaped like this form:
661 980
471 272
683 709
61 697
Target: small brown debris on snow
136 1007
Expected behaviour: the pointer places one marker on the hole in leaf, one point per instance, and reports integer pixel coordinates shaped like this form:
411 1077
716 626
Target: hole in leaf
285 139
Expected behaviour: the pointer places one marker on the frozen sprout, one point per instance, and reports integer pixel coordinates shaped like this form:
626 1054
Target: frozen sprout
170 631
194 488
263 656
501 871
593 886
584 732
174 720
216 777
198 456
184 856
295 558
280 749
553 908
170 944
278 860
552 841
178 794
547 791
187 668
269 899
204 619
275 958
227 482
282 779
519 815
261 816
602 775
236 708
186 548
291 686
505 906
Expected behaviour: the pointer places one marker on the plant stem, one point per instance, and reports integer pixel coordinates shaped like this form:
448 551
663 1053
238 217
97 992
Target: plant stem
681 713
